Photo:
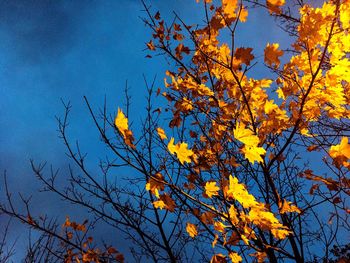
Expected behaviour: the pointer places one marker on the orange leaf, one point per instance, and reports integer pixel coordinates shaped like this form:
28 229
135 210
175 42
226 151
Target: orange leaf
272 54
191 230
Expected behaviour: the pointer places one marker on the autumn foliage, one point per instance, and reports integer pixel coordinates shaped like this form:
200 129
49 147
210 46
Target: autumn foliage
239 177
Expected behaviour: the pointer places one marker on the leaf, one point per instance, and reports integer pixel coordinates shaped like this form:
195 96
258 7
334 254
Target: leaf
191 230
272 55
253 153
161 133
165 201
244 55
245 136
181 49
218 258
235 258
151 46
289 207
342 149
155 183
121 122
243 15
238 192
159 204
211 189
260 256
274 6
229 7
181 151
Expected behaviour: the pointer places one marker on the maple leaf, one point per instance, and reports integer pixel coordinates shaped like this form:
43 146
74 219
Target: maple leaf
161 133
289 207
211 189
272 54
342 149
244 55
280 233
121 122
181 151
165 201
181 49
238 192
235 258
274 6
229 7
159 204
155 183
253 153
244 135
191 230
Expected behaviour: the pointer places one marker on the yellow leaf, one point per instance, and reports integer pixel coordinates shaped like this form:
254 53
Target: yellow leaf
161 133
211 189
229 7
235 258
253 153
159 204
181 151
244 135
272 54
121 122
243 15
280 94
289 207
280 233
219 226
191 230
233 215
342 149
238 192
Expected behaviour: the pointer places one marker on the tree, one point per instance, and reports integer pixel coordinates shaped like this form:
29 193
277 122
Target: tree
247 169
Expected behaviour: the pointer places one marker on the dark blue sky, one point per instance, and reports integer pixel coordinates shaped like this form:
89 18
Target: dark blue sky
67 49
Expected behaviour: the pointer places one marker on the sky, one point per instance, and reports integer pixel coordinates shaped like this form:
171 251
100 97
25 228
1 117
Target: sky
52 50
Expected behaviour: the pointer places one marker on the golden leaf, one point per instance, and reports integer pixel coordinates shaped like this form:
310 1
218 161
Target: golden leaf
191 230
121 122
253 153
244 135
342 149
211 189
181 151
235 258
289 207
161 133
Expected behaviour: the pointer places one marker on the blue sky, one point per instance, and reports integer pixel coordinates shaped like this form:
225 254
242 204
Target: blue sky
67 49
